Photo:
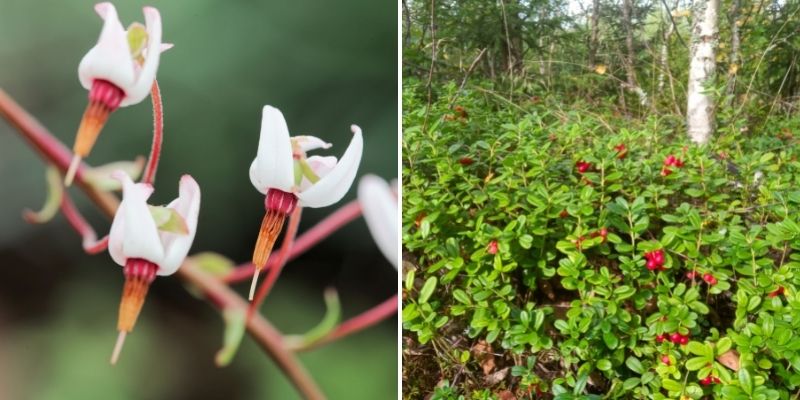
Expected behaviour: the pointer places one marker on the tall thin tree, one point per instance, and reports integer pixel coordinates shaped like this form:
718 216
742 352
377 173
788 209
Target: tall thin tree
702 67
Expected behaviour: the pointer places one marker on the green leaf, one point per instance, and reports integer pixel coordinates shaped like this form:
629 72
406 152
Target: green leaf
168 220
724 345
100 176
427 290
213 263
695 363
234 332
699 349
461 296
604 365
634 365
611 340
410 279
745 381
671 385
329 322
55 192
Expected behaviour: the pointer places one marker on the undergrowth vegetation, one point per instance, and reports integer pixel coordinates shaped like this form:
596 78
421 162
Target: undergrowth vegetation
569 252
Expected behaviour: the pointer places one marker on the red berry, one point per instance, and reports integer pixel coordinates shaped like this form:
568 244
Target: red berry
684 340
715 379
660 338
665 359
658 256
678 163
675 338
466 160
669 161
563 214
603 232
651 265
709 278
582 166
648 256
705 381
665 171
492 247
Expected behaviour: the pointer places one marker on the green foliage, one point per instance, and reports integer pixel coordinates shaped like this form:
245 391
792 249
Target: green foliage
559 293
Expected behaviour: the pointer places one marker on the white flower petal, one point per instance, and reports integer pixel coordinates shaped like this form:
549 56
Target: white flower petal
135 235
274 165
144 81
308 143
110 58
335 184
379 206
176 246
321 167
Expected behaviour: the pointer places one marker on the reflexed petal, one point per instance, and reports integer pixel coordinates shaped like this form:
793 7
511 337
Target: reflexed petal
141 87
110 58
308 143
379 206
337 182
274 165
133 232
321 167
176 246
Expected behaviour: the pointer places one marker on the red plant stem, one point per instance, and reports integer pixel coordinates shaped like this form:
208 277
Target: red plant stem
52 150
368 318
90 243
158 135
282 257
333 222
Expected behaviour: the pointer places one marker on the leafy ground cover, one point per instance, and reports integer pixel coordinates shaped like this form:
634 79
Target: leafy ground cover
572 252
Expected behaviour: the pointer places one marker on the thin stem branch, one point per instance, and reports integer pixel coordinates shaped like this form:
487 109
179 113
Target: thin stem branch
368 318
53 151
90 243
330 224
280 261
158 134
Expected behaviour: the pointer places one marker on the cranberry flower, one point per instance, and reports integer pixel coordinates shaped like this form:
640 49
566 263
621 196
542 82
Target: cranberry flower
288 178
379 205
148 241
118 72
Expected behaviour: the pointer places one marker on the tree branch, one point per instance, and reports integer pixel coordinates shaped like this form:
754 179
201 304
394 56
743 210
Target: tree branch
53 151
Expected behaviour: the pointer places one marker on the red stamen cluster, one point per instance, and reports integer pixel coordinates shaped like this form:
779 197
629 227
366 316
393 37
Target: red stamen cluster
492 247
655 260
670 161
709 380
583 166
710 280
777 292
622 151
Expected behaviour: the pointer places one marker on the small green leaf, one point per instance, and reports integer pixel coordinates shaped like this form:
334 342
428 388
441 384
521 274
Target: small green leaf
611 340
234 332
671 385
634 365
213 263
604 365
427 289
55 192
745 381
410 279
695 363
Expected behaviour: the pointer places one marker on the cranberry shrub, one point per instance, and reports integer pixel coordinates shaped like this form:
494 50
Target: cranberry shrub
596 255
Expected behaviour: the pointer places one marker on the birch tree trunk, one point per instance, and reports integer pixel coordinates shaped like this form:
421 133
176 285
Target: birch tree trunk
593 34
700 106
735 44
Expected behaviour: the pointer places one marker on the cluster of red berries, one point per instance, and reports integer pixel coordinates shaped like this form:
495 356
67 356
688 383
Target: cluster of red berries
622 151
709 380
670 161
655 260
676 338
492 247
707 277
583 166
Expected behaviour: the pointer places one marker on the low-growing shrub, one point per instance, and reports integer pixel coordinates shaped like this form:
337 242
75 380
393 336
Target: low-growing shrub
598 256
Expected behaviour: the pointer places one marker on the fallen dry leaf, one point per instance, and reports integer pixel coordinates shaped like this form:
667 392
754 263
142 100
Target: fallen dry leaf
482 351
506 395
729 359
496 377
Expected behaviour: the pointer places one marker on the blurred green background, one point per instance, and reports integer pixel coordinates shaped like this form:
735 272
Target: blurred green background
326 65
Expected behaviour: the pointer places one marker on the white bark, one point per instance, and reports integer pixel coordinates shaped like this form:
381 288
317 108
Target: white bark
700 106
